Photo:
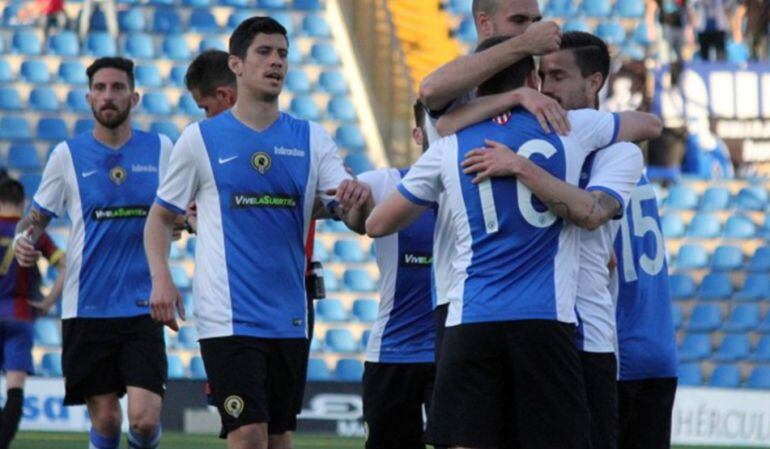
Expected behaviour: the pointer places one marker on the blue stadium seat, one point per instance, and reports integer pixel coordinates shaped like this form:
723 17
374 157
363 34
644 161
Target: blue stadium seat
634 51
705 317
272 4
561 8
203 21
762 352
167 128
672 225
576 24
641 35
323 53
677 316
349 370
234 19
740 227
139 46
156 103
175 47
716 286
466 31
10 99
704 226
331 282
752 198
97 21
459 7
180 277
14 128
332 82
727 258
131 20
339 340
295 56
764 326
320 252
197 3
304 107
51 364
188 337
175 367
83 125
316 345
317 371
148 76
715 198
690 374
190 246
26 41
64 43
314 25
77 102
307 5
734 347
6 74
197 368
681 197
725 376
760 260
297 82
358 163
359 280
10 13
350 137
334 226
756 287
348 250
342 109
737 52
35 72
236 3
365 310
630 9
47 332
100 44
744 317
612 32
188 106
51 129
695 347
330 310
759 378
174 253
211 43
31 182
43 99
596 8
166 21
72 72
365 337
692 256
176 76
285 19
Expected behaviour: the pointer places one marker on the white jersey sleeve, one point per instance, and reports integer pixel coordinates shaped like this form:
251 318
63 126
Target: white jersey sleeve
593 129
616 170
379 181
165 154
331 169
50 197
180 183
423 184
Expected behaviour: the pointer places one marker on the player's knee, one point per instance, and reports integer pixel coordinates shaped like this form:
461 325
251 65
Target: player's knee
282 441
106 421
251 436
143 425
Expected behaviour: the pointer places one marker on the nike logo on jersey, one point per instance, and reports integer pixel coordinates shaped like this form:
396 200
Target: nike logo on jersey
88 173
226 159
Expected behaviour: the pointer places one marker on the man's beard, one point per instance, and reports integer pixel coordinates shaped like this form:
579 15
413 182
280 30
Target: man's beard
111 123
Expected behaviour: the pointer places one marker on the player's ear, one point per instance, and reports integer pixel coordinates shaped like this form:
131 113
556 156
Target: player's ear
228 94
418 136
532 80
596 81
484 25
134 99
235 63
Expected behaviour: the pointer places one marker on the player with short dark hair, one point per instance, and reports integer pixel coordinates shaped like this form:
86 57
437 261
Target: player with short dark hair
106 180
211 83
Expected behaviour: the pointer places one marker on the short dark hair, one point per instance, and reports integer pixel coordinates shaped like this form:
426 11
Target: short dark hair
245 33
487 6
208 71
123 64
419 113
509 78
591 52
11 192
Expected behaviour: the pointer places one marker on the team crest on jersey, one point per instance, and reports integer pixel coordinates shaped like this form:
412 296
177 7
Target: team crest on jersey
118 175
261 162
503 118
234 406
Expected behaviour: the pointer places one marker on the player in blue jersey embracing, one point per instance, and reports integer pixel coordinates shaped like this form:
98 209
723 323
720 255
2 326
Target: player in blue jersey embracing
105 181
254 173
400 369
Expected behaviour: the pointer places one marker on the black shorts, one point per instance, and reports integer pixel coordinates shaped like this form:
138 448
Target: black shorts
106 355
645 408
510 384
255 380
440 314
600 378
394 395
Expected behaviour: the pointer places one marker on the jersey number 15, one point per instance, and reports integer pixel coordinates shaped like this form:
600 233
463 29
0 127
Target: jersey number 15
642 224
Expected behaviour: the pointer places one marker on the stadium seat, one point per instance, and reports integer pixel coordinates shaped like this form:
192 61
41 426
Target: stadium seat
358 163
139 46
14 128
297 82
188 337
167 128
285 19
166 21
304 107
576 24
681 197
596 8
72 72
459 7
47 332
97 21
365 337
99 44
316 345
83 125
188 106
43 99
51 364
634 51
176 76
760 260
131 20
762 352
180 277
466 31
156 103
737 52
147 75
10 99
704 226
6 74
211 43
203 21
342 109
561 8
77 102
51 129
197 369
349 370
705 317
630 9
756 287
314 25
759 378
725 376
743 318
236 3
190 246
358 280
331 282
307 5
695 347
10 13
35 72
197 3
692 257
612 32
175 367
673 226
334 226
734 347
330 310
295 57
234 19
317 371
690 374
26 41
339 340
752 198
175 47
677 316
332 82
31 182
715 286
320 253
365 310
348 250
350 137
715 198
324 54
727 258
64 43
740 227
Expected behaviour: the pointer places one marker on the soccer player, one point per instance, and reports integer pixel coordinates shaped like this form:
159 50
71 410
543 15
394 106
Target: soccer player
400 362
106 180
254 174
513 375
20 300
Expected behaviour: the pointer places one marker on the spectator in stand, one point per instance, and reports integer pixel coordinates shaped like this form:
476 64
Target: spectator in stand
757 15
110 14
51 11
675 17
711 23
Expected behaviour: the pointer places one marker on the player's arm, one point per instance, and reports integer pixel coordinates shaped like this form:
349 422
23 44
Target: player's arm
56 257
158 234
28 230
354 203
456 78
546 109
637 126
393 215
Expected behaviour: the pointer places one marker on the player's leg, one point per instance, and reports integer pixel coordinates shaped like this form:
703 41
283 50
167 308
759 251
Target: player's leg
599 376
285 380
646 407
106 417
17 362
144 409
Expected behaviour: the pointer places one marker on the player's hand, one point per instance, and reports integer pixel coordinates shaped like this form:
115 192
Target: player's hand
25 251
493 161
176 231
542 37
191 214
164 299
547 110
41 307
351 194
